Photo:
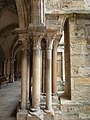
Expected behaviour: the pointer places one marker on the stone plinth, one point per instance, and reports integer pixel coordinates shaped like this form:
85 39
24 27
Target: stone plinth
22 115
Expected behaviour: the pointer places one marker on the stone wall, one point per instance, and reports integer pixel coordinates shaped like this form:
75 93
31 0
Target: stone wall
80 58
58 5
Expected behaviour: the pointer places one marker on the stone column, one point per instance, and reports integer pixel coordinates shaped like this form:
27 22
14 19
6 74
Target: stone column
43 72
49 76
28 79
5 67
36 33
23 79
12 70
54 80
63 66
8 69
36 76
24 41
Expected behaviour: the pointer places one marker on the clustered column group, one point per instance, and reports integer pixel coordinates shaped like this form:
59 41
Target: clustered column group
50 80
37 32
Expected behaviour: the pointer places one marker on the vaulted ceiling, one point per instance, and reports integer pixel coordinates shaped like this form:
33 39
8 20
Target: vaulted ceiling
8 22
10 4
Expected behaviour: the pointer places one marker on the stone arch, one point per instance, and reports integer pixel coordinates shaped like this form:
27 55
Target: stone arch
2 54
5 32
16 49
14 43
63 26
22 10
17 56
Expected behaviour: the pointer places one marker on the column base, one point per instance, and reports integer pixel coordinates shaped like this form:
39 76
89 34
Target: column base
51 111
49 114
36 115
22 114
33 110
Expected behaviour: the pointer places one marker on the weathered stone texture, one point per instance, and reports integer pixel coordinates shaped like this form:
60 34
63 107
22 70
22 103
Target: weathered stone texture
79 59
78 48
80 95
80 81
84 116
29 117
22 115
78 71
57 5
48 116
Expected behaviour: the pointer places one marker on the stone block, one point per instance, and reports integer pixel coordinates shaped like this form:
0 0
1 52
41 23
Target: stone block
49 115
31 117
80 71
78 60
84 71
80 95
74 71
71 107
82 81
22 115
84 116
37 115
78 49
77 40
69 116
87 60
87 107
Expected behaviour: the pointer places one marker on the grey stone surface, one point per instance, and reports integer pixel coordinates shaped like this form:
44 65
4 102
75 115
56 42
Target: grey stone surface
9 97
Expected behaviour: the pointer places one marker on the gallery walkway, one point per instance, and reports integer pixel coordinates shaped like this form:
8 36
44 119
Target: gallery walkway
9 97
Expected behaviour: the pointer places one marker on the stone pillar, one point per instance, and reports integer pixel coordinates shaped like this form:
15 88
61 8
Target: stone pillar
36 76
5 67
43 72
54 80
49 76
12 69
8 68
63 66
23 79
23 38
28 79
43 45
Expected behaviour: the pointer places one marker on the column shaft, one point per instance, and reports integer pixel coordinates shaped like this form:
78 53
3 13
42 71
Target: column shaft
43 72
12 70
48 79
63 64
23 79
36 78
28 79
54 80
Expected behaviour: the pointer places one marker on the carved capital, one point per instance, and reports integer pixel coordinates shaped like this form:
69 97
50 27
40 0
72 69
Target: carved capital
36 33
57 39
55 44
23 37
24 40
37 38
51 36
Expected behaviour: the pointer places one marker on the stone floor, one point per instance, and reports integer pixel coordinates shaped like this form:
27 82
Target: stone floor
9 97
